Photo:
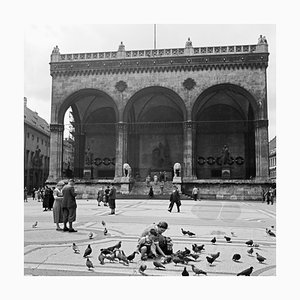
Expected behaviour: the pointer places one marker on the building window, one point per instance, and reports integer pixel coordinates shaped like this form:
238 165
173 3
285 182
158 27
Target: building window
37 139
42 141
32 137
28 135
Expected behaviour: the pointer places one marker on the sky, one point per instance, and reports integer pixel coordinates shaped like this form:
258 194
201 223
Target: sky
39 40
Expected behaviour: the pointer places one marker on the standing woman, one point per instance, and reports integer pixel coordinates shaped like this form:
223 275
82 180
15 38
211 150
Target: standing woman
57 207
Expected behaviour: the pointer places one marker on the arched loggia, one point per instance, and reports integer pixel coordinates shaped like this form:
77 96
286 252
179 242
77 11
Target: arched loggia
94 133
224 117
155 117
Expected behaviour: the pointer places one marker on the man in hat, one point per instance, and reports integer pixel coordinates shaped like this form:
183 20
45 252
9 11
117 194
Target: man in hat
69 205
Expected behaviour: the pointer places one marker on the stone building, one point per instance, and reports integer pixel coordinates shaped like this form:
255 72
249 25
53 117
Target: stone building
36 149
202 107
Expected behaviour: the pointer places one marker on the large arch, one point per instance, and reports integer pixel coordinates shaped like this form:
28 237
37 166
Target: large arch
224 114
95 116
155 117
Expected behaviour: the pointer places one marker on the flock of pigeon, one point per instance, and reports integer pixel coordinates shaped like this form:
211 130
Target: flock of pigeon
185 257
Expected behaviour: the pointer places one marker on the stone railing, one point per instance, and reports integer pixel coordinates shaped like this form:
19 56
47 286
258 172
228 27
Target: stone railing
175 52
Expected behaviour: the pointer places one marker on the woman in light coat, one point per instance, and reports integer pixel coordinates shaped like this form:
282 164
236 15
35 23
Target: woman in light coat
57 207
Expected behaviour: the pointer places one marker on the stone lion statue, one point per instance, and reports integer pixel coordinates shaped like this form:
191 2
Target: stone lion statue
127 170
177 169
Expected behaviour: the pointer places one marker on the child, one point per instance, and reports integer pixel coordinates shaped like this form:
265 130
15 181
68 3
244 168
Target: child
147 245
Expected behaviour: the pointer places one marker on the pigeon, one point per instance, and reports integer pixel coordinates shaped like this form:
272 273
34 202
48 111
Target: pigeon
215 256
167 259
195 256
89 264
105 251
88 251
101 258
249 243
111 257
142 269
187 251
187 259
190 233
177 260
117 246
184 232
256 246
236 257
131 256
228 239
103 223
158 265
105 231
91 235
197 248
271 233
123 258
246 272
250 251
185 272
75 248
35 224
260 258
232 234
214 240
198 271
210 259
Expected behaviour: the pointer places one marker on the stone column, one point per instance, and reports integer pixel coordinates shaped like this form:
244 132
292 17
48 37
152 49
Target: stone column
56 146
188 150
261 149
121 149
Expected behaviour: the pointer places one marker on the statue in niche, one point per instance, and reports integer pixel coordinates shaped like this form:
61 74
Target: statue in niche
177 169
225 155
161 156
127 170
88 156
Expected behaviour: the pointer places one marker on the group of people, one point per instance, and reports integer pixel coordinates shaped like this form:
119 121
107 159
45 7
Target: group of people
64 208
108 197
269 195
42 194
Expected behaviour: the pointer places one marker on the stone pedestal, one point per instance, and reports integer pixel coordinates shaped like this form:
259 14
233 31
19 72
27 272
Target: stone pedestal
178 182
87 174
125 185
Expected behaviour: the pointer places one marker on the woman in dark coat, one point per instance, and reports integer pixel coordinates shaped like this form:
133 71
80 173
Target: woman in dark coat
46 198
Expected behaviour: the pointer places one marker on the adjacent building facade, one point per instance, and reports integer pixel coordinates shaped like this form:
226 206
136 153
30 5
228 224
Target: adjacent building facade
202 107
36 149
272 158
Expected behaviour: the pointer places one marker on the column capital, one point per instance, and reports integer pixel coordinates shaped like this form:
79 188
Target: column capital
57 127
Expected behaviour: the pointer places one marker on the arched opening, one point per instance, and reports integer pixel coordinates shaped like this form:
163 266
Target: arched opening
89 143
224 144
155 132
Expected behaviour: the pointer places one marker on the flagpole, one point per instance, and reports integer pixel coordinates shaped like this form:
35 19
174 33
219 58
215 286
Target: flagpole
154 36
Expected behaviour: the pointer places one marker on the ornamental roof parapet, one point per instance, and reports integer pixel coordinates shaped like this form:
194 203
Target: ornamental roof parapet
170 52
150 58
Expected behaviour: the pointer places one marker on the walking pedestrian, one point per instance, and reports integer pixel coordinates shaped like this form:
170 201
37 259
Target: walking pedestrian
174 198
69 205
33 194
151 194
38 195
107 191
161 187
195 193
57 206
46 198
100 196
112 199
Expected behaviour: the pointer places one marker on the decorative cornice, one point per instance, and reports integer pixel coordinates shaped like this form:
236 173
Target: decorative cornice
160 64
